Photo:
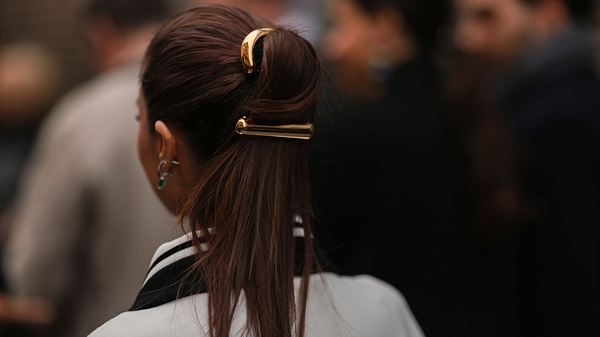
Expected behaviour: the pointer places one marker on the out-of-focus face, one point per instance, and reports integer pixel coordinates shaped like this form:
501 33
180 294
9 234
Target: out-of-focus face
347 40
497 30
28 81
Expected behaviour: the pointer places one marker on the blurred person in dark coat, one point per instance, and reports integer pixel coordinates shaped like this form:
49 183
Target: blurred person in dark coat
86 222
28 81
386 176
548 91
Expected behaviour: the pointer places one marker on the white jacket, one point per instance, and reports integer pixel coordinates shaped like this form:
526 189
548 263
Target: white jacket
338 306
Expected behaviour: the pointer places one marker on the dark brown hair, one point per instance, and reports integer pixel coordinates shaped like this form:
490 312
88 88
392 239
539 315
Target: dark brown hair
489 147
423 19
579 10
248 189
130 14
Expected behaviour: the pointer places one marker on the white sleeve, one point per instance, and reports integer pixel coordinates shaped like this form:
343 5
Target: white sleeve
396 320
407 323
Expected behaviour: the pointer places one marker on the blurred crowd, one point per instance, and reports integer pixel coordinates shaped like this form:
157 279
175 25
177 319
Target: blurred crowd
457 157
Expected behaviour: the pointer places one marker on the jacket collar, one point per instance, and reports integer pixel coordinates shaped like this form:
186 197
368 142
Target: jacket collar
169 276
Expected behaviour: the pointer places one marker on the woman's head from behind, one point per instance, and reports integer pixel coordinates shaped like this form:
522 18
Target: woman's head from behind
248 189
195 88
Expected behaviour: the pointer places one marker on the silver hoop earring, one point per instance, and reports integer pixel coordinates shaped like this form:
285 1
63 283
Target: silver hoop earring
164 176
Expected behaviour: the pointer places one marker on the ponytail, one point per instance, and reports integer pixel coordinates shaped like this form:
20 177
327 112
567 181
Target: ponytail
249 189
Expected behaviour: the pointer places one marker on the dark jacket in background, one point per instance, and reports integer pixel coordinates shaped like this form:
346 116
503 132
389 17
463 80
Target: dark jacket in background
553 101
389 197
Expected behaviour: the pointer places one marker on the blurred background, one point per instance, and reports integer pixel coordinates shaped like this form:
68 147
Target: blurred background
457 157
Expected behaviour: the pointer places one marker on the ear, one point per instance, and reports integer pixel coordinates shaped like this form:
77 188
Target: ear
165 143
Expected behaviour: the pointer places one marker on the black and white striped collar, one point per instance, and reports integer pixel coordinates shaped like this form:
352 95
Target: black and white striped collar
167 278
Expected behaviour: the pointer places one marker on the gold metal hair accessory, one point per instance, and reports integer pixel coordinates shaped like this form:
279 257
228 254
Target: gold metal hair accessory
290 131
247 49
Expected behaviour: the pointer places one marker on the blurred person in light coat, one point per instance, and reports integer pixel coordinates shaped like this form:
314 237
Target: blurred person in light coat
86 223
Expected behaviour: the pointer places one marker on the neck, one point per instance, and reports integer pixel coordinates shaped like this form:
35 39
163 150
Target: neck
384 62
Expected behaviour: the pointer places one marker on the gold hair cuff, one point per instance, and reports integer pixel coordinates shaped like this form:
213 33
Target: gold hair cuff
290 131
247 49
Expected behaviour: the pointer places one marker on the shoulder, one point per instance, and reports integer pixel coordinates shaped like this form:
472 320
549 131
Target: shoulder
180 318
92 121
363 305
337 306
100 99
364 288
570 102
105 90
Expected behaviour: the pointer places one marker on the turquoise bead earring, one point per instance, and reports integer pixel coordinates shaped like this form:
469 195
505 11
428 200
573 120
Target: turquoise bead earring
164 176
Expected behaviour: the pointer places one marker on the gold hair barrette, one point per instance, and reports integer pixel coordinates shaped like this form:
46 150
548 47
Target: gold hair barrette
290 131
247 49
